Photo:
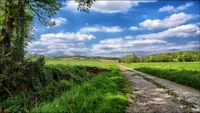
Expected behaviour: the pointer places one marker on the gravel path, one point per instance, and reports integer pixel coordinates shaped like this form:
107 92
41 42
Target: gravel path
155 95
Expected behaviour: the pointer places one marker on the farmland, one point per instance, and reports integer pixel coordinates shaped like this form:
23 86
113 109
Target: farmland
186 73
67 56
105 64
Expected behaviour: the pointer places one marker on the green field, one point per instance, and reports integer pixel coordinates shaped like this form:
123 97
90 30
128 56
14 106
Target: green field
97 63
186 73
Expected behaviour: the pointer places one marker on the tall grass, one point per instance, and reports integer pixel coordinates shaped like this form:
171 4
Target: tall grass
105 93
186 73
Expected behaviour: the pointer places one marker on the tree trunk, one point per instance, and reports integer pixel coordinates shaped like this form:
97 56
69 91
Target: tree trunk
7 30
18 50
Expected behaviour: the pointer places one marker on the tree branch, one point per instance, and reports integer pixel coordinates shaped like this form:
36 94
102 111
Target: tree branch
38 15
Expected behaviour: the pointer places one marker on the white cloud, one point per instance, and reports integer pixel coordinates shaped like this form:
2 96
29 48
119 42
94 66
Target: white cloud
120 47
134 28
171 21
59 21
170 8
114 40
59 44
109 6
128 37
101 29
182 31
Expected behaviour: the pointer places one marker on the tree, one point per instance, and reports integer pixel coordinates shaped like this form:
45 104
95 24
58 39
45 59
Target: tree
14 18
134 58
187 56
180 58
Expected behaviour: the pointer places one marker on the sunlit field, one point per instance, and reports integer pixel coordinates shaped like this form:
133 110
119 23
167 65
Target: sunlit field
104 64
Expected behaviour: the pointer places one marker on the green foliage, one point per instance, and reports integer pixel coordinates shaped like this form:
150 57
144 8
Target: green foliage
97 95
186 73
16 104
187 56
12 76
184 56
42 83
130 58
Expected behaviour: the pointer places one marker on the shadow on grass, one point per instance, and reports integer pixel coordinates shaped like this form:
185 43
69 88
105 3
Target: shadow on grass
185 77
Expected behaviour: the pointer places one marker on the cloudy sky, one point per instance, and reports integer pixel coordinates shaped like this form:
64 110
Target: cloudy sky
117 28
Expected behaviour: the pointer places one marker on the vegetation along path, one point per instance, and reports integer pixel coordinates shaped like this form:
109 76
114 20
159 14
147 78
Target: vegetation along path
153 94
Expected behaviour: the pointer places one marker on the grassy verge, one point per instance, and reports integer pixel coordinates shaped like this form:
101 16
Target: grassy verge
107 92
45 85
186 73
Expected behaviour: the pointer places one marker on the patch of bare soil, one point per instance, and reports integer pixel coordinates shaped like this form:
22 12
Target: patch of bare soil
155 95
96 70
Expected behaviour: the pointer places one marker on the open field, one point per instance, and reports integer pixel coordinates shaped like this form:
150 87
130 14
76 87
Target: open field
186 73
104 64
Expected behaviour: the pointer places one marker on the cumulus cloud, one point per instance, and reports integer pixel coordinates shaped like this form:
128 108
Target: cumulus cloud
134 28
120 47
109 6
59 44
59 21
182 31
170 8
101 29
171 21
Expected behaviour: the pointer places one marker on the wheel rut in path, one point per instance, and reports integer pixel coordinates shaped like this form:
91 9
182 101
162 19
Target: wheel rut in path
155 95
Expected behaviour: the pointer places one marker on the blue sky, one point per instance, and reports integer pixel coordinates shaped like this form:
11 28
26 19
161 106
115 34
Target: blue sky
117 28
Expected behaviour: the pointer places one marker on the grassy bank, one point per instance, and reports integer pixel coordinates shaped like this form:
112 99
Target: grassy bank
45 84
186 73
104 93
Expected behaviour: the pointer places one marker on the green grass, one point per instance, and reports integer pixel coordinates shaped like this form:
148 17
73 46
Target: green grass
186 73
105 93
108 65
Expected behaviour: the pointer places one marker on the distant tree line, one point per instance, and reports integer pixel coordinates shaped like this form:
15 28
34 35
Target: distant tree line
129 58
185 56
76 57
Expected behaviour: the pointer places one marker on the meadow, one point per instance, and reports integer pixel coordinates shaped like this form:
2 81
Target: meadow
186 73
112 64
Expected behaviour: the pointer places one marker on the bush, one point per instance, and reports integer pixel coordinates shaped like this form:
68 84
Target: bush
29 83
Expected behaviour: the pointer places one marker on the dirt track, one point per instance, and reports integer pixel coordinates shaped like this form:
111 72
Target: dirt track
155 95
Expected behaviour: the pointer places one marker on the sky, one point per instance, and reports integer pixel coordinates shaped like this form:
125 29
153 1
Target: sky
117 28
